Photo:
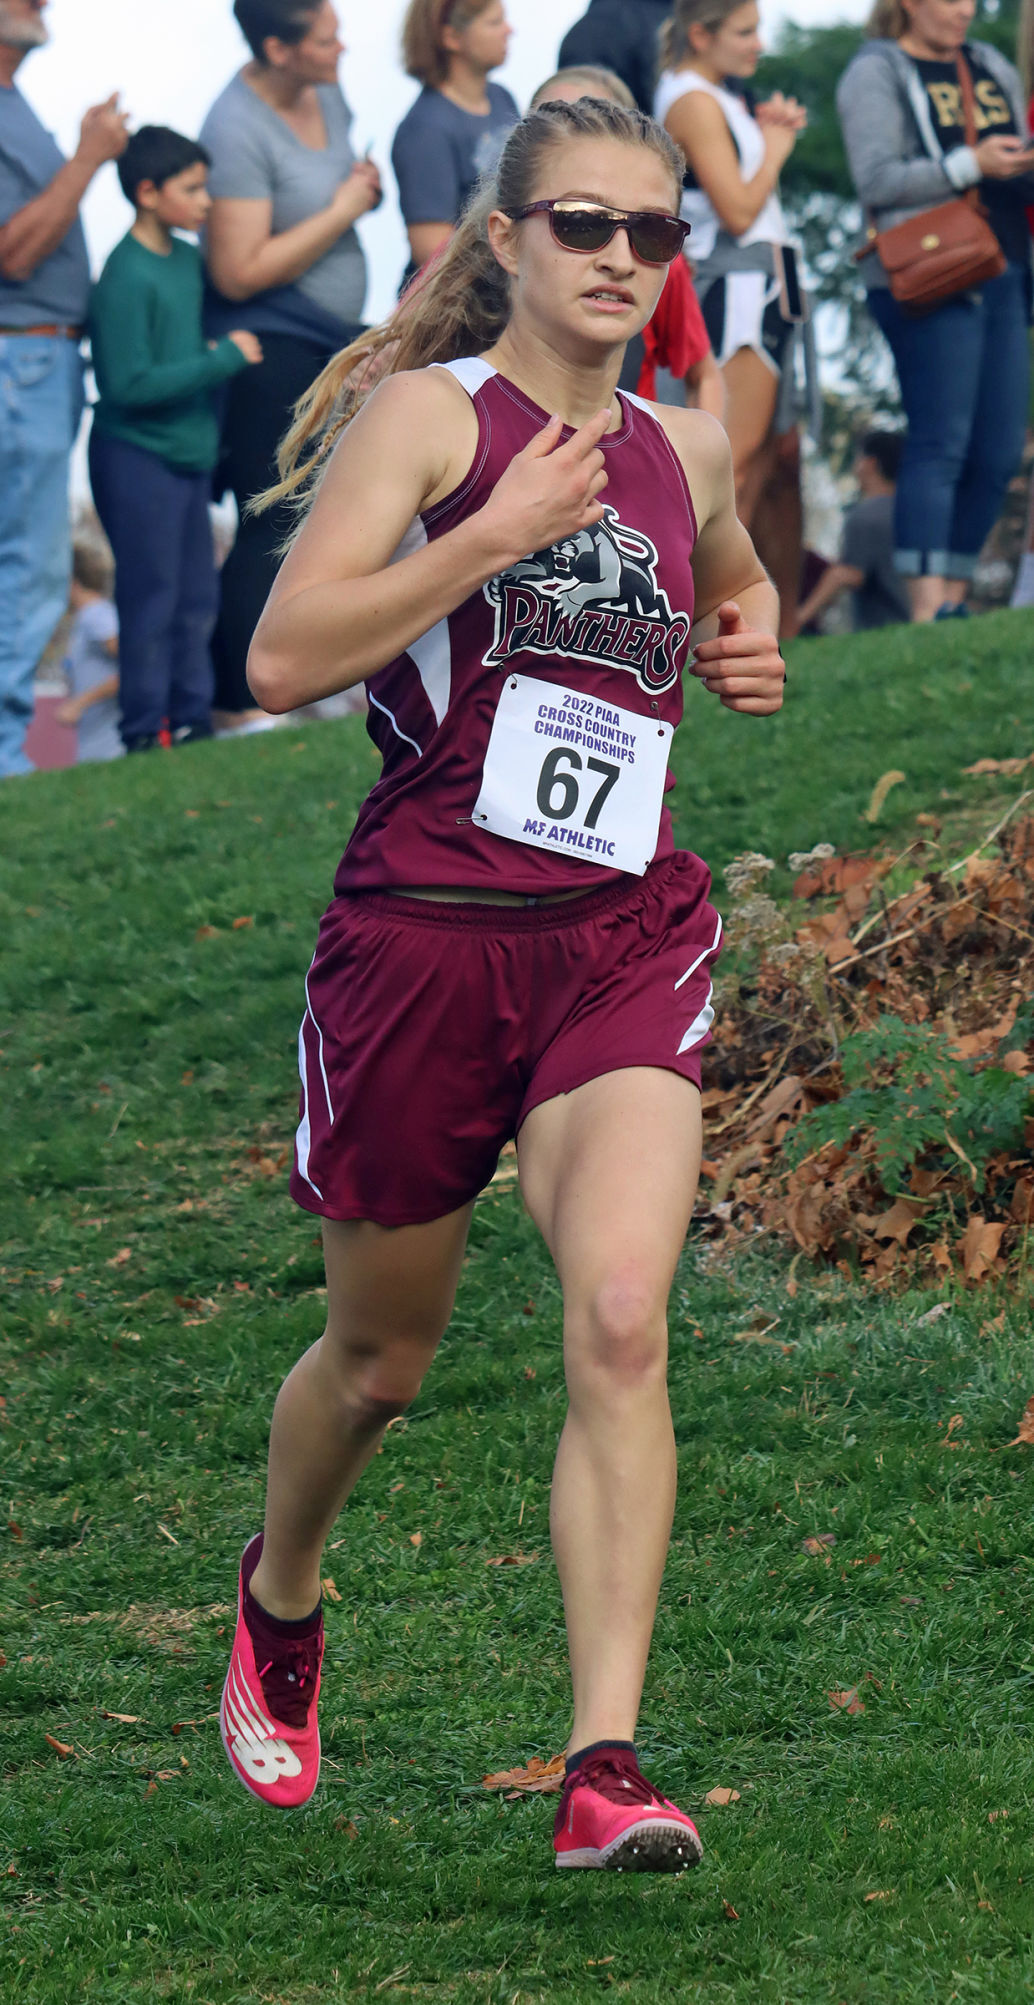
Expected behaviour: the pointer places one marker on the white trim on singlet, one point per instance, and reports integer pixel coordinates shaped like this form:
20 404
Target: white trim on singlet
430 652
470 371
393 721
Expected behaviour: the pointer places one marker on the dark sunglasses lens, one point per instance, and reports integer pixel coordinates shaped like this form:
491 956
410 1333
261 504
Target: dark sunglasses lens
581 229
657 240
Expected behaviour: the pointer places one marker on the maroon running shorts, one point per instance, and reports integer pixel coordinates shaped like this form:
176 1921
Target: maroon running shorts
432 1029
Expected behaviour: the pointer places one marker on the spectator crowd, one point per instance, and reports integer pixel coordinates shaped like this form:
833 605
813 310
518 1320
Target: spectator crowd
242 273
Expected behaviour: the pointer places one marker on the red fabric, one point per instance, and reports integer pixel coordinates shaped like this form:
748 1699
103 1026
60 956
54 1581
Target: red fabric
432 1029
676 337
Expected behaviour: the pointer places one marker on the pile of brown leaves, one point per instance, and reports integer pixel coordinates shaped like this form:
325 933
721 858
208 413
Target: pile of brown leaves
954 953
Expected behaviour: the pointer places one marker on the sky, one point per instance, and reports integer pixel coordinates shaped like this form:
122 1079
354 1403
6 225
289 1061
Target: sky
170 59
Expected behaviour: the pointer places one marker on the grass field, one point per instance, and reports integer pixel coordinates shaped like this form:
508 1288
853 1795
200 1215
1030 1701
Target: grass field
157 919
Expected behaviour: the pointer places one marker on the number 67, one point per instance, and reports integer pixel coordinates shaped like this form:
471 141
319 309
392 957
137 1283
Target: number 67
552 778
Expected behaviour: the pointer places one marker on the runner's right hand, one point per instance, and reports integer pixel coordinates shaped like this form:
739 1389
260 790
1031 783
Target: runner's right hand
104 133
248 343
549 490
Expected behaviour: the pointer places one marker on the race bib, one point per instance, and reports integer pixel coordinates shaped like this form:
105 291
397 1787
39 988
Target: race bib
574 774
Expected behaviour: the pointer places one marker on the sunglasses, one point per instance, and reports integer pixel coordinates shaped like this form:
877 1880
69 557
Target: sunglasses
656 239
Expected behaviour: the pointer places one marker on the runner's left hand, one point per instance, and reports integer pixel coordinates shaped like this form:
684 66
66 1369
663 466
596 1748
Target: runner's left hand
742 667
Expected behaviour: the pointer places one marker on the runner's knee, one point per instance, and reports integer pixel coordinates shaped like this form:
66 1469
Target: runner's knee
619 1335
374 1386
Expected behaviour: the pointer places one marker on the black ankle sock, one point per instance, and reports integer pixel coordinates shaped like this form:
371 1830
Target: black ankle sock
596 1747
274 1622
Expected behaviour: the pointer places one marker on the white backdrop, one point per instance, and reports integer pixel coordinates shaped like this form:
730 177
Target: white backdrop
169 59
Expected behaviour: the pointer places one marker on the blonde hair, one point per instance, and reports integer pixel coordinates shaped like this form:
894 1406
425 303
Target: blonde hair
423 55
887 22
598 83
675 45
460 304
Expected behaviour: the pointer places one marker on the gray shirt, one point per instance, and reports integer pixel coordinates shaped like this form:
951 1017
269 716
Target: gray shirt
868 546
441 151
256 156
59 288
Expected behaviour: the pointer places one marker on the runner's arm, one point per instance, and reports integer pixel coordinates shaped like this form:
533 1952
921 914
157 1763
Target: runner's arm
737 654
341 608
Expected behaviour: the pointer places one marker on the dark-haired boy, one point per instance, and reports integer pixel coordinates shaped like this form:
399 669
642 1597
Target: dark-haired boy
866 564
155 439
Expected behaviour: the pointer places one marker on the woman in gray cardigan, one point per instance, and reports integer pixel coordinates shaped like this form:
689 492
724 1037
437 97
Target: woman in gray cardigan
963 368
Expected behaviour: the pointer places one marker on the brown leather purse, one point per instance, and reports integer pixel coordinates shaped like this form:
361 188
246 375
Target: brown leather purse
946 250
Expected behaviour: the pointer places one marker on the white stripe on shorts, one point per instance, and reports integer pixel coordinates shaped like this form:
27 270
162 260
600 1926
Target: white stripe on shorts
700 1025
702 956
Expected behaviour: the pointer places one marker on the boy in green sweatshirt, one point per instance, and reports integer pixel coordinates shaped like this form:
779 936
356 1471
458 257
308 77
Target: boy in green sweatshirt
155 439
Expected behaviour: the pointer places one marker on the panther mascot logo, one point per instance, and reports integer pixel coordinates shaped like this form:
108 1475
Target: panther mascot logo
595 598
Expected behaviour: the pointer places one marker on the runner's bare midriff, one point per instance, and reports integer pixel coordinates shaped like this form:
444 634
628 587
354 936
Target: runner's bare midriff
458 894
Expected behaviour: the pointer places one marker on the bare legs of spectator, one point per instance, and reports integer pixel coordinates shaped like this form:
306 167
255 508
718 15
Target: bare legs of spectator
767 474
928 595
778 525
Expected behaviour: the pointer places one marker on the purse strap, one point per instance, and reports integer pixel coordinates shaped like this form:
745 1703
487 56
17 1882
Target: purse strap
969 102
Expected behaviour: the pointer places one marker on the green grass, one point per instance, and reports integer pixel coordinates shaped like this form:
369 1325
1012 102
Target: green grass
156 1285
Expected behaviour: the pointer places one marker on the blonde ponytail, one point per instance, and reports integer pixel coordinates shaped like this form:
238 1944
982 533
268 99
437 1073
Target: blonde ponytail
460 303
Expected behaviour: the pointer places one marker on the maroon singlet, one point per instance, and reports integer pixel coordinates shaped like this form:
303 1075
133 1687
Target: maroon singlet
605 614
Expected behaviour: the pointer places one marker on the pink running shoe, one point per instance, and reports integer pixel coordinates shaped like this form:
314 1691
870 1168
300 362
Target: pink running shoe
611 1817
268 1713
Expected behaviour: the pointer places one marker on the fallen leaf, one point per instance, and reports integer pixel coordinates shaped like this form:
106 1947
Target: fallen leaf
119 1259
346 1827
847 1702
416 1539
879 794
239 923
980 1243
933 1315
540 1778
60 1747
127 1719
514 1559
993 1815
880 1894
1025 1437
718 1798
15 1530
330 1590
151 1790
206 932
729 1911
896 1223
817 1542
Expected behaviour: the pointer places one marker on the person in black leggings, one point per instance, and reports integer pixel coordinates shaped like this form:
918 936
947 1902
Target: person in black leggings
284 260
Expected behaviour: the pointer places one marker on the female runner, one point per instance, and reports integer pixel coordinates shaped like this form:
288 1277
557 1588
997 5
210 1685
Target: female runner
501 548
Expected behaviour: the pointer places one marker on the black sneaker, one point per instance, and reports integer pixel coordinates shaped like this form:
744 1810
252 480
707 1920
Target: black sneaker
151 743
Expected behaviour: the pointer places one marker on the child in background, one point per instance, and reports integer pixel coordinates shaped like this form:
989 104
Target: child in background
155 439
91 663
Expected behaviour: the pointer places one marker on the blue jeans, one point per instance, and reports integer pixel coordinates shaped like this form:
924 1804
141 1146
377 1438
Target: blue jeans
166 587
41 402
963 371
